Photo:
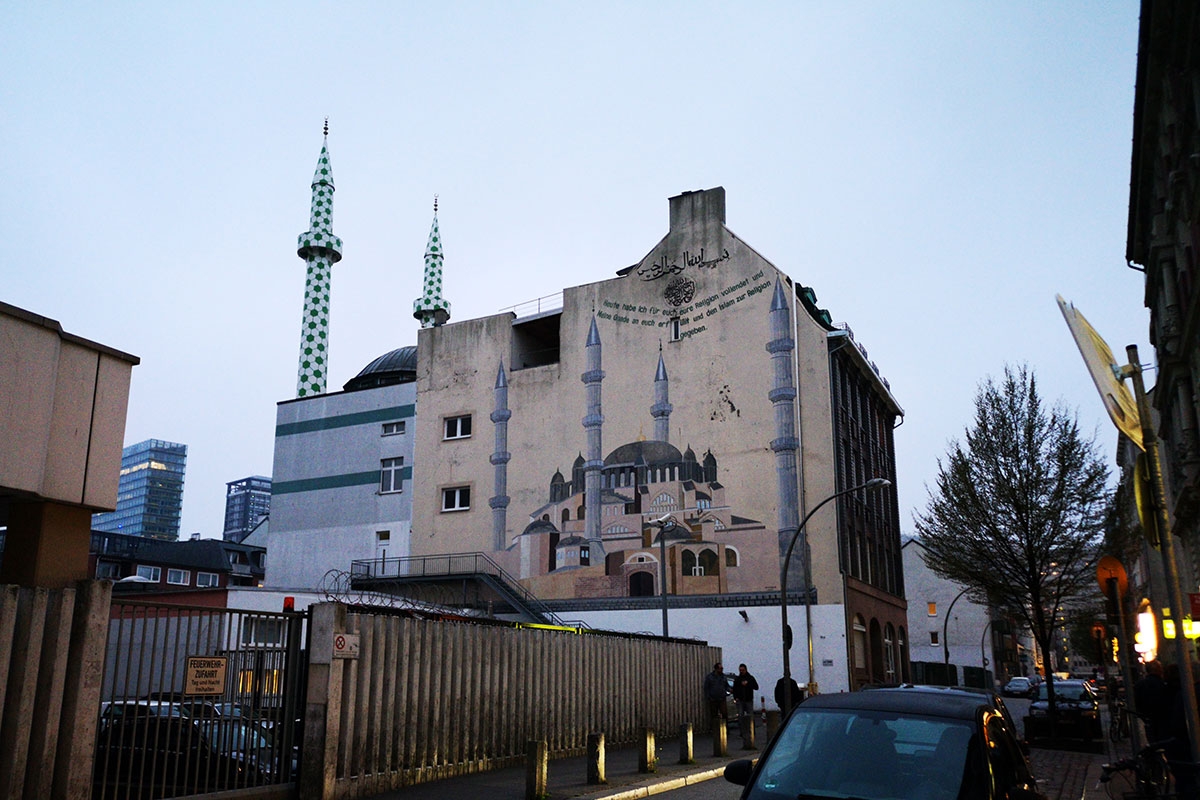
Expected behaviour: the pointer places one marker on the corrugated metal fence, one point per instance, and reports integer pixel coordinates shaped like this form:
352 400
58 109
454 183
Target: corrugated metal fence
400 700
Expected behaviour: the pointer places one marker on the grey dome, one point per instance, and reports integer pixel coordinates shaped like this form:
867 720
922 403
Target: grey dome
645 452
398 366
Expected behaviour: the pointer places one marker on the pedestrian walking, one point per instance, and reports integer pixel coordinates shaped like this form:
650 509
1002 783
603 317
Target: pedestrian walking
780 695
744 687
716 689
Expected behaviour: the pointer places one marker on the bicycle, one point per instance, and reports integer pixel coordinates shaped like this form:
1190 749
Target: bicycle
1145 774
1118 721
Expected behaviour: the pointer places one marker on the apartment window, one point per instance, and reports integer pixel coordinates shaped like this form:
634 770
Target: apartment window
933 638
393 428
390 475
456 498
673 329
933 609
456 427
152 574
109 570
207 579
179 577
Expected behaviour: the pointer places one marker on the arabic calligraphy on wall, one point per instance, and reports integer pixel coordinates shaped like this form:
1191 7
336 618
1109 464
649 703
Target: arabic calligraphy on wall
691 316
665 266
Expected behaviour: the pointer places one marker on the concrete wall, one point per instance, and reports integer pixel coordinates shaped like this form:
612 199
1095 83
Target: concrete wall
756 642
64 401
326 504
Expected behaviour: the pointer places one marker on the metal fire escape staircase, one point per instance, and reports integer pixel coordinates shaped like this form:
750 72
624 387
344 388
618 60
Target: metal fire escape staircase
460 580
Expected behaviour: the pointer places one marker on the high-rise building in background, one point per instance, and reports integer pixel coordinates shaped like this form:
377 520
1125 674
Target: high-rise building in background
247 501
150 492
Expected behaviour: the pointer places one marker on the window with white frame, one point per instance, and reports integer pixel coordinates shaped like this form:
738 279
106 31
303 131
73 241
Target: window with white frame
179 577
152 574
456 427
673 329
456 498
391 478
393 428
207 579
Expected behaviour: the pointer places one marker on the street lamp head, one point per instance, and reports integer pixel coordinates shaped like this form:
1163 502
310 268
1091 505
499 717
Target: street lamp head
877 483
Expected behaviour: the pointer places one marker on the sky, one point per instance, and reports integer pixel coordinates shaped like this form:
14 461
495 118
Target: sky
936 171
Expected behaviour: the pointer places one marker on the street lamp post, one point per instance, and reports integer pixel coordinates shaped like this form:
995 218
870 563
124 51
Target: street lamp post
945 622
664 524
874 483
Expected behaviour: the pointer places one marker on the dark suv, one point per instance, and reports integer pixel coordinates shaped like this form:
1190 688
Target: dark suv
932 743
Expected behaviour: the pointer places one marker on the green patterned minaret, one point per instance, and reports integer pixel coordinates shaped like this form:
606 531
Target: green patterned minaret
430 308
320 249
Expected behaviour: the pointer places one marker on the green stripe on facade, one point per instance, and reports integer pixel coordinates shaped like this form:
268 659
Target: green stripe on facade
393 414
334 482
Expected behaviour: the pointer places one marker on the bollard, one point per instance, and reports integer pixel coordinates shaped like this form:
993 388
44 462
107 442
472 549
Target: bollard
537 756
746 725
720 737
687 754
596 772
772 723
647 758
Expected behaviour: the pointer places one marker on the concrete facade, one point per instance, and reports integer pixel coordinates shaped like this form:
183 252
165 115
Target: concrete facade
328 503
582 481
64 401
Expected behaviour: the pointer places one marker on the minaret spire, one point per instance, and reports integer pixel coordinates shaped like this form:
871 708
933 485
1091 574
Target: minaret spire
661 410
430 308
786 443
320 250
592 425
500 458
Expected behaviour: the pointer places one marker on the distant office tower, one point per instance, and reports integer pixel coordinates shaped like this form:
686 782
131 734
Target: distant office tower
150 492
246 502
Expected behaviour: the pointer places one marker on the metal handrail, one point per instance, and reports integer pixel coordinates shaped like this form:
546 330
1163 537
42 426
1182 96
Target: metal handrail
451 564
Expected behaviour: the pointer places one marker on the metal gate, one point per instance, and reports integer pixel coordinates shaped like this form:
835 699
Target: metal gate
198 700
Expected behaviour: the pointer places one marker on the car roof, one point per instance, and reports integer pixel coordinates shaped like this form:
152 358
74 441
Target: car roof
928 700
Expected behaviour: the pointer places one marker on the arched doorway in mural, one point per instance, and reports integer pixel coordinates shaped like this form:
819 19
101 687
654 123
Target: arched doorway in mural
641 584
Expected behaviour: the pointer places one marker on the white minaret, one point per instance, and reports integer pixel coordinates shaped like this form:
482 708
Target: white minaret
661 410
592 424
431 308
320 250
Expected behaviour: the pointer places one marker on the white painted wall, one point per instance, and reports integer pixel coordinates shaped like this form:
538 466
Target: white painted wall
757 643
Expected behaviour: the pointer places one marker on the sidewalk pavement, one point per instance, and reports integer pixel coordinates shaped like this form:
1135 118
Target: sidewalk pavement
1068 775
1061 774
567 777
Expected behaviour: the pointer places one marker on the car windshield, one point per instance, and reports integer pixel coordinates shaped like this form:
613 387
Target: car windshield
864 754
1065 690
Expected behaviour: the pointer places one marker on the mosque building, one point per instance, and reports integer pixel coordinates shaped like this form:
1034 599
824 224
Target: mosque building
695 408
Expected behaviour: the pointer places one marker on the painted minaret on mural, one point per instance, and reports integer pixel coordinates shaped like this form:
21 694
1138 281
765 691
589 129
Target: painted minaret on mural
500 458
431 309
661 410
785 444
320 250
593 423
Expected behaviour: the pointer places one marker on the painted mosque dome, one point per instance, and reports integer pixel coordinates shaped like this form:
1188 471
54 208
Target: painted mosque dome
398 366
645 452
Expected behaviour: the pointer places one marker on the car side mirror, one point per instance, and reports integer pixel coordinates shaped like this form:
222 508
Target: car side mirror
739 771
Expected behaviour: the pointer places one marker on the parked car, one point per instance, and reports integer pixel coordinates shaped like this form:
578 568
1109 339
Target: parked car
150 756
1018 687
936 743
1078 711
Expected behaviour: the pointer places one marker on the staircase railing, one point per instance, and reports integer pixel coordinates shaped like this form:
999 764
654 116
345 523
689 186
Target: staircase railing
455 564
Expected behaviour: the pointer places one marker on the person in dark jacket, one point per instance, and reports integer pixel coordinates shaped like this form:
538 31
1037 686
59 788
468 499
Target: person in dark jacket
1153 698
716 689
744 687
781 700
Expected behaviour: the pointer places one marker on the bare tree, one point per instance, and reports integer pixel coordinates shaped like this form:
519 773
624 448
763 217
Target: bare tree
1018 512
